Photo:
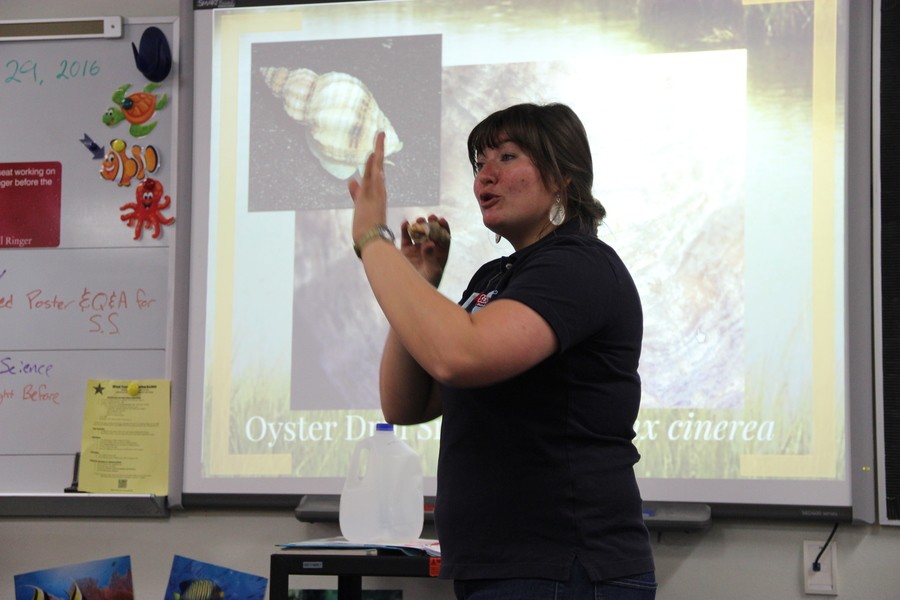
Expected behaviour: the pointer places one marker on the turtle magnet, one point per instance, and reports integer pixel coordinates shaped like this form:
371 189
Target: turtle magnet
154 58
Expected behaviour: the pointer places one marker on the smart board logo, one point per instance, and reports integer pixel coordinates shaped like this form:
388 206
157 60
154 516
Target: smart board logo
807 512
214 4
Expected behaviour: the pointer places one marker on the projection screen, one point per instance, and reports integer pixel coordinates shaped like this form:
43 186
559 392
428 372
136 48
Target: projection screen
719 138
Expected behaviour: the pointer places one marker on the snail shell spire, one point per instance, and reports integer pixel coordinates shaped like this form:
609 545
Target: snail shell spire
293 87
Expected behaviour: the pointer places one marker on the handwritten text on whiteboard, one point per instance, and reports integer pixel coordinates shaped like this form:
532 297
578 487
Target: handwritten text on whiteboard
27 71
84 299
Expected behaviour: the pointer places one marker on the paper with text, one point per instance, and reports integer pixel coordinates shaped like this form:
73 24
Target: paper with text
125 437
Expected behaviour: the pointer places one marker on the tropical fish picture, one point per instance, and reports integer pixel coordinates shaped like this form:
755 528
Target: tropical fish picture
196 580
105 578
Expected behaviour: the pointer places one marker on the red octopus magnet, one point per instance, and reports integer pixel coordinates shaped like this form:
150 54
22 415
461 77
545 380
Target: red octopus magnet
146 211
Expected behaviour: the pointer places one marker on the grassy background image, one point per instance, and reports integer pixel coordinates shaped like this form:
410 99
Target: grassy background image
664 457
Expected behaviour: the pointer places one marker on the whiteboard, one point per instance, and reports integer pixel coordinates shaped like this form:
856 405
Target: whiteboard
86 280
724 161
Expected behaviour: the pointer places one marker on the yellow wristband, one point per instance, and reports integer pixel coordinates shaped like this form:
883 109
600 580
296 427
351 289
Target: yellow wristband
377 232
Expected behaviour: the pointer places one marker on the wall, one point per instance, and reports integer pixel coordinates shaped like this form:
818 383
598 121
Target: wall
732 560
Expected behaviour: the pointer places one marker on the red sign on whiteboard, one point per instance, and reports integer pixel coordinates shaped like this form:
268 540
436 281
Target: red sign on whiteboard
30 204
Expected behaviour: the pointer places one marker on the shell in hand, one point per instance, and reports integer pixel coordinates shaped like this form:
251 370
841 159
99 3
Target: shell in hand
340 114
420 233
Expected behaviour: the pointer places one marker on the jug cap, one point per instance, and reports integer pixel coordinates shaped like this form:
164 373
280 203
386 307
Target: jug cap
384 427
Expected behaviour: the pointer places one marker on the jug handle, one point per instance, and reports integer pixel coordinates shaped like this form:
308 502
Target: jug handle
356 462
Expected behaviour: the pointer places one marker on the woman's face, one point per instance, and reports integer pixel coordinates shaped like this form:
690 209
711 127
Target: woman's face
513 199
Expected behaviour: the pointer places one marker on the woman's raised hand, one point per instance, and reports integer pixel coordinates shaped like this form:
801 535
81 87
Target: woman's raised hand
369 193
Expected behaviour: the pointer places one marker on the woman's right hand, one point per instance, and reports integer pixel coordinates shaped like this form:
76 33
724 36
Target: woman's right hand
429 257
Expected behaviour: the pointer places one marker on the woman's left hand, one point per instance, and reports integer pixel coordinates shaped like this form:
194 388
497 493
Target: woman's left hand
369 193
428 257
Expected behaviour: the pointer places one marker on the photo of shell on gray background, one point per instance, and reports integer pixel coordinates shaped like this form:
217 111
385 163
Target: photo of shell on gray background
300 146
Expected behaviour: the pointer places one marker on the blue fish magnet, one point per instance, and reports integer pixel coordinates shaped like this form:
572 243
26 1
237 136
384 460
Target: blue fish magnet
154 57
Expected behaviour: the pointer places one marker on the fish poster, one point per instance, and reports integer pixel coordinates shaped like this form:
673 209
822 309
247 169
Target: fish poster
95 580
196 580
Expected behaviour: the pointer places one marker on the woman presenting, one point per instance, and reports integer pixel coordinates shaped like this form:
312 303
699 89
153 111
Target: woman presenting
534 371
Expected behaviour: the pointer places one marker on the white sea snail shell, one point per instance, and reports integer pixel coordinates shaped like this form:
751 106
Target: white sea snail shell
340 114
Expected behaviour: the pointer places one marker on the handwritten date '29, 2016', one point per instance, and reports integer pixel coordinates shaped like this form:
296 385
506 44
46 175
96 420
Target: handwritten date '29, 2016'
104 310
27 71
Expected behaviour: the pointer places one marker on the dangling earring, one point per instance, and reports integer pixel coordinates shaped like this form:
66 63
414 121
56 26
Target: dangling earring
497 238
557 212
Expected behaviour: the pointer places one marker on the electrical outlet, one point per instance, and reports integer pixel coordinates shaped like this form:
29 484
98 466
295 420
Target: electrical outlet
824 581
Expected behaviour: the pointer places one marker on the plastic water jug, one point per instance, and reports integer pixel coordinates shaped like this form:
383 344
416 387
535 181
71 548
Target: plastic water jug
382 500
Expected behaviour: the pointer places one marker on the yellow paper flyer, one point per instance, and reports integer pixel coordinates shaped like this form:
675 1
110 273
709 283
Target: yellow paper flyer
125 437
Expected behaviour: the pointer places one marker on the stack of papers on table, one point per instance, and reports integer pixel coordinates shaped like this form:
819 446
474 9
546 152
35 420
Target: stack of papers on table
419 547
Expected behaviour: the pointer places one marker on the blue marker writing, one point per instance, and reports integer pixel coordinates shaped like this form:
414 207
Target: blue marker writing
10 366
